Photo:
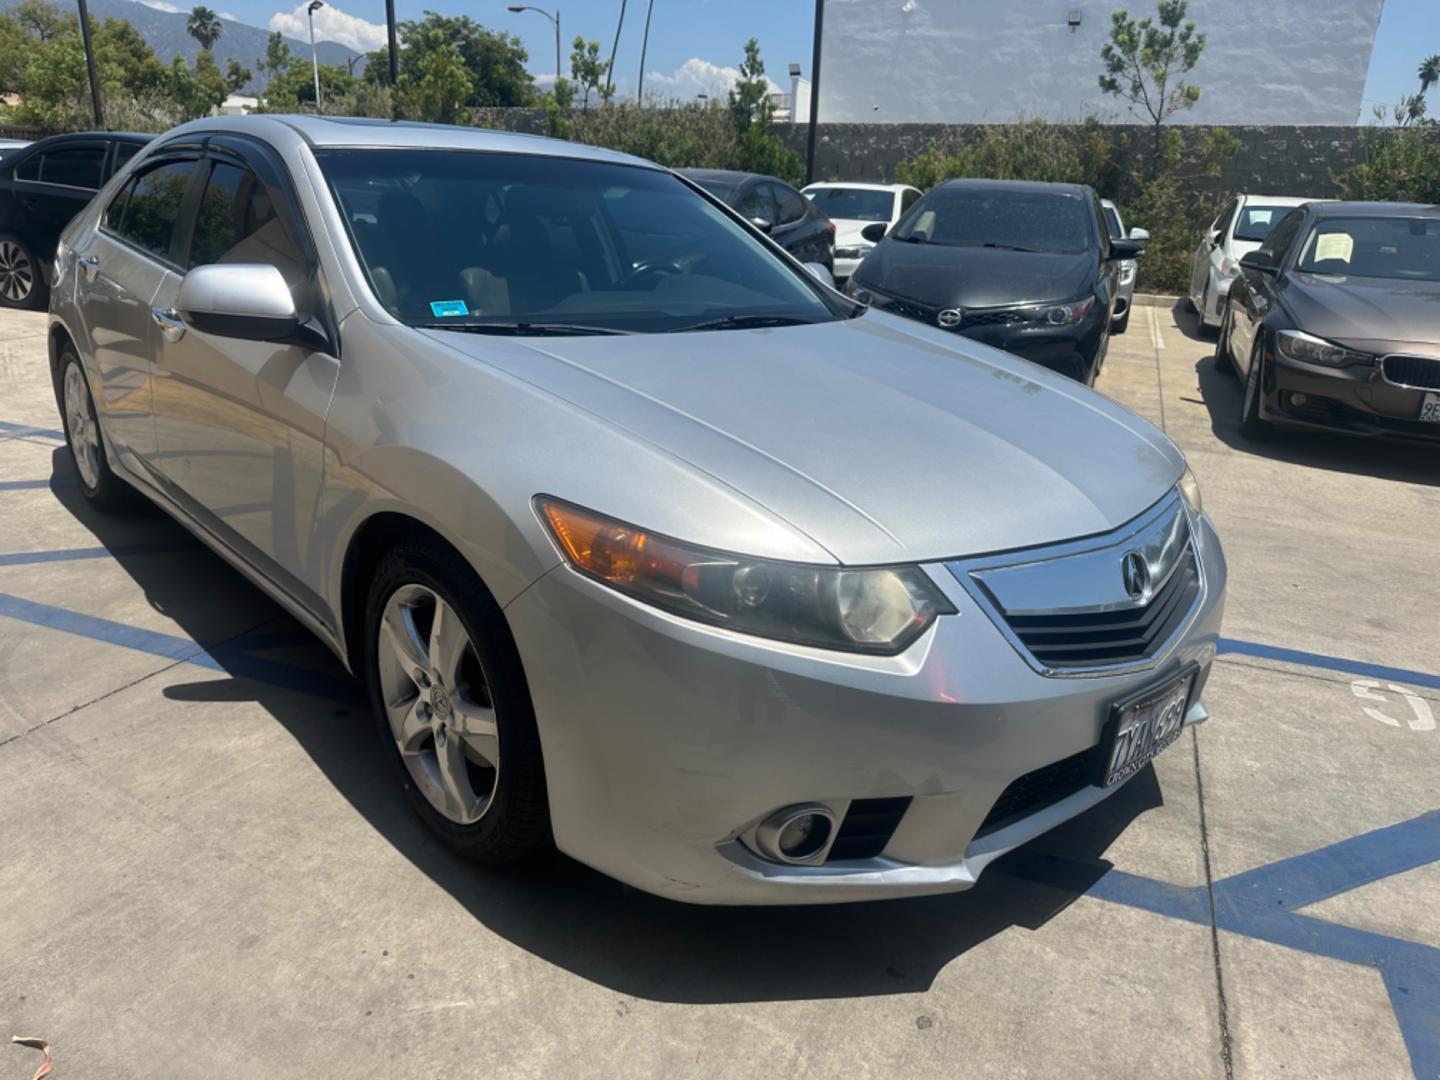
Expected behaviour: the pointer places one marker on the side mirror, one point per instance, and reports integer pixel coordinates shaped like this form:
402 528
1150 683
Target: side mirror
821 273
249 301
876 232
1262 261
763 224
1139 234
1126 249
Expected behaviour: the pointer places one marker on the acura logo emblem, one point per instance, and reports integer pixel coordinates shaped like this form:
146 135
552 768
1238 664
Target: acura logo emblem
1135 573
951 317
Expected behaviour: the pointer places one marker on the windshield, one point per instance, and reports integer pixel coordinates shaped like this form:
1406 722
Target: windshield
853 204
518 243
1380 247
1255 222
1016 220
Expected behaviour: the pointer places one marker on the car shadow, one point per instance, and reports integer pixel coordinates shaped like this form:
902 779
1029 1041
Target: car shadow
1222 395
565 913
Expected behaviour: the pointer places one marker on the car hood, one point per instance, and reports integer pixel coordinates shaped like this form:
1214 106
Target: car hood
882 440
1370 314
939 277
848 230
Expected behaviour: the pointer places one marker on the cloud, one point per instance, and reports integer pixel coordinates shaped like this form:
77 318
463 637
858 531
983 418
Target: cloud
696 76
161 5
228 17
331 24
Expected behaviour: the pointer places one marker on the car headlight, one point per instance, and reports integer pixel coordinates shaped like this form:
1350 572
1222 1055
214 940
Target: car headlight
62 261
1190 491
872 610
1229 267
1059 314
859 251
1298 345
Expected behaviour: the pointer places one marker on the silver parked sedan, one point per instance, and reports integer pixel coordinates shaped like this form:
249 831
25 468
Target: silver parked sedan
640 536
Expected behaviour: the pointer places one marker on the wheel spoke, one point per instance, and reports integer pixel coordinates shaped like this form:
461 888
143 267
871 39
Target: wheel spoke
461 802
476 724
447 642
410 723
398 626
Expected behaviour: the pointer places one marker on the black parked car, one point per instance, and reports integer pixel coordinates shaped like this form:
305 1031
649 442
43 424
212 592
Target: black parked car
43 186
776 208
1335 321
1029 268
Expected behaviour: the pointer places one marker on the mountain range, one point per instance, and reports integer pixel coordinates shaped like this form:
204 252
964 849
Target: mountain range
165 31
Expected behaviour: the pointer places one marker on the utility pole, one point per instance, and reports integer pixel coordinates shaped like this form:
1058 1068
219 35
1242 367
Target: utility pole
394 49
814 93
90 65
315 5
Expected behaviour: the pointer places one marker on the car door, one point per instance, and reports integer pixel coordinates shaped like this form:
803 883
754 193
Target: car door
120 266
240 424
1259 293
52 187
1206 261
796 230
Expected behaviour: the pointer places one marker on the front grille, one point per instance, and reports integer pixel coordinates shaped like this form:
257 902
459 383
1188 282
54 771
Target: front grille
992 318
867 828
1038 789
1419 371
911 311
1099 638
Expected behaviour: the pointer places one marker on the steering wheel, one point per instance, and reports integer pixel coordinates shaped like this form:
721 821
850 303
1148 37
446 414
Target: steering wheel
653 270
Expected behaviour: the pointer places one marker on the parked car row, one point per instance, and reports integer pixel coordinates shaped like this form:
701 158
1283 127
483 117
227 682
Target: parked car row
644 540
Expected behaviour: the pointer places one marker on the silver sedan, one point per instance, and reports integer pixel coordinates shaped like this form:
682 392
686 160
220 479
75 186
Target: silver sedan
642 538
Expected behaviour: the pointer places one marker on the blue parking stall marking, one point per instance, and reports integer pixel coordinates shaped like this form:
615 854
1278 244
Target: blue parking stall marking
223 657
119 551
1332 663
37 485
25 429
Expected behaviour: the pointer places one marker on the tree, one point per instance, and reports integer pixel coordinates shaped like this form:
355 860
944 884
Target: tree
236 77
493 63
1429 73
198 90
752 111
204 26
277 58
40 20
438 90
1146 62
588 70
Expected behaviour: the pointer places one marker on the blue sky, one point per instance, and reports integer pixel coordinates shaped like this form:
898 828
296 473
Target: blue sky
693 41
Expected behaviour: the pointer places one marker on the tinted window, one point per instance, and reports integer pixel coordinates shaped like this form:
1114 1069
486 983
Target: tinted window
1112 220
854 204
756 201
237 222
124 152
152 206
1223 221
29 169
789 204
989 217
1255 221
1284 232
1400 247
909 199
468 239
719 188
75 166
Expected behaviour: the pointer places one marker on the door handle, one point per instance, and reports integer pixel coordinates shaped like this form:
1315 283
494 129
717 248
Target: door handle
169 323
91 265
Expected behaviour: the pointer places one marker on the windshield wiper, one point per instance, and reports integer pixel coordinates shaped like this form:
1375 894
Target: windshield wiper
524 329
1011 247
745 322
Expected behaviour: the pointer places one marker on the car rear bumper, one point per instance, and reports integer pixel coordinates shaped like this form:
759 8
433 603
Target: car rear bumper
667 742
1357 400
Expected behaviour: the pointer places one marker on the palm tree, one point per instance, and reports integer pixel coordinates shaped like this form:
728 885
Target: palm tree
1429 72
204 26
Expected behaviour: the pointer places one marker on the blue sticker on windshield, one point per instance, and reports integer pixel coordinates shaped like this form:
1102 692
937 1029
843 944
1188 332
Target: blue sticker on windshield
444 308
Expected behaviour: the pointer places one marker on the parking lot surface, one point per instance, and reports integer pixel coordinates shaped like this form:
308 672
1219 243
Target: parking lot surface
207 869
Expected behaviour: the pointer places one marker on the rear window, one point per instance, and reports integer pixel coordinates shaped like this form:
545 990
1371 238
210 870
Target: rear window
853 204
1255 222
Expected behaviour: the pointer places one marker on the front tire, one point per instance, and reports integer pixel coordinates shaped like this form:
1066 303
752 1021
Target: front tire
1252 424
22 278
1223 360
1122 324
100 486
450 699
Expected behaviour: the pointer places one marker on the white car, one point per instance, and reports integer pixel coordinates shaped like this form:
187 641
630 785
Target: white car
1128 267
1240 229
852 207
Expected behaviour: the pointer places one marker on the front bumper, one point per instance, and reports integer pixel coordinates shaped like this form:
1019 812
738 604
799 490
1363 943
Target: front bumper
666 741
1357 400
1069 350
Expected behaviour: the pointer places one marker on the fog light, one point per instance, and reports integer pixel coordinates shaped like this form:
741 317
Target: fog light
1298 400
796 834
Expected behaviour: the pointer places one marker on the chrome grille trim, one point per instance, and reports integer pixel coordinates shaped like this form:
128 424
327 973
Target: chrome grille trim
1411 372
1081 579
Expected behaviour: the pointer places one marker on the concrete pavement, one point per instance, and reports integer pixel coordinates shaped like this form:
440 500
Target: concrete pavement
208 871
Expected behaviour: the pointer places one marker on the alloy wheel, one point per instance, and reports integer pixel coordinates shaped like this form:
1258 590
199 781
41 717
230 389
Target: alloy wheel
80 418
438 702
17 272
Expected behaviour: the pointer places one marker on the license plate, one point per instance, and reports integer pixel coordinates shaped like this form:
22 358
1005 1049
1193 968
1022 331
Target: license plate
1430 409
1143 725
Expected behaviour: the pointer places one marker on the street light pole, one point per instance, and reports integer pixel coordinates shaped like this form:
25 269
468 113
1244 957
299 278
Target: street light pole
555 18
390 40
90 65
315 5
814 93
610 67
644 45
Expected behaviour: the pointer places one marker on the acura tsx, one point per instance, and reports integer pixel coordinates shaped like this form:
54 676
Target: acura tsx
644 541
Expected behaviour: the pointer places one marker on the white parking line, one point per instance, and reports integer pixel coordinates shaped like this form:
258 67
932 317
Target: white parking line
1155 338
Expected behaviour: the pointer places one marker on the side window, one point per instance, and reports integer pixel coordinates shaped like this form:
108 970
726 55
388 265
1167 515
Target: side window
757 203
124 152
789 202
152 207
115 212
1222 223
1281 236
908 199
29 169
74 166
237 222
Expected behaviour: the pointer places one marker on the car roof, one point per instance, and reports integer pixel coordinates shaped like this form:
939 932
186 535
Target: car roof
861 185
1013 185
1374 209
86 136
348 132
1281 200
